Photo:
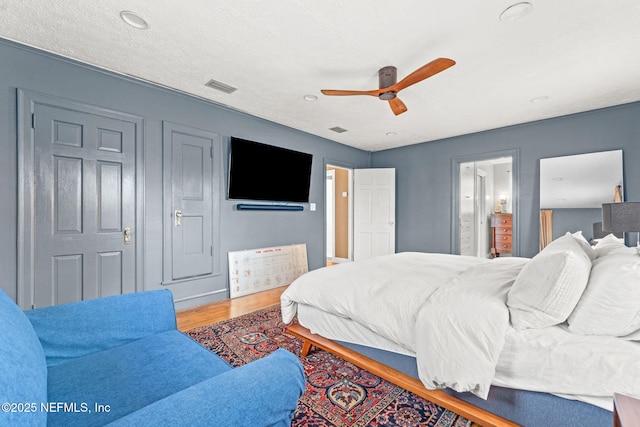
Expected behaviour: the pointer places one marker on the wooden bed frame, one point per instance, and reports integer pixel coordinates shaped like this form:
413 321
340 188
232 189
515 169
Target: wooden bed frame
477 415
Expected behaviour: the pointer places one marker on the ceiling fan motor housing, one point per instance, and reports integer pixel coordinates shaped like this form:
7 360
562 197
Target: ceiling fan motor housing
387 76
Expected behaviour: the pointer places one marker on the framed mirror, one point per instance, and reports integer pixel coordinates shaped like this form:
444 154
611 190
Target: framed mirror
572 191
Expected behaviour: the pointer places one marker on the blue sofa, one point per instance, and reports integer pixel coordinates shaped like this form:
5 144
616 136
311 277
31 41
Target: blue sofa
121 361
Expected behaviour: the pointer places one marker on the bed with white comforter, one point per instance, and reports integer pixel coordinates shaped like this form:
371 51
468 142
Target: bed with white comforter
564 322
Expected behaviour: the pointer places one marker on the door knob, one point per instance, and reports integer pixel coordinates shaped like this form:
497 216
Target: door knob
178 215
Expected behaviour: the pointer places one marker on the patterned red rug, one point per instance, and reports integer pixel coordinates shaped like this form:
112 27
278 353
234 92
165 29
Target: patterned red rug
338 392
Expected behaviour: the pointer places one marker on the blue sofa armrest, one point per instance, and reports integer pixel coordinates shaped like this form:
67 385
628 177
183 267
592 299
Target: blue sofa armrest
77 329
262 393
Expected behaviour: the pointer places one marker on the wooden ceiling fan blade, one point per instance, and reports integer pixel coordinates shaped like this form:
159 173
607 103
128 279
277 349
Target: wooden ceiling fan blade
397 106
350 92
428 70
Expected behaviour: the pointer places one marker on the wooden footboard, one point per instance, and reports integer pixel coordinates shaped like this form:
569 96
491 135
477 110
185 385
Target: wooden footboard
460 407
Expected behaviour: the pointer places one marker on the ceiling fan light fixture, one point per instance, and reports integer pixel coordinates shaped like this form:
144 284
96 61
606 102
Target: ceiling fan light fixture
133 19
385 96
516 11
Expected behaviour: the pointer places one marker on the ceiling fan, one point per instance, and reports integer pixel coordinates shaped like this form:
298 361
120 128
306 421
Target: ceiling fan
389 87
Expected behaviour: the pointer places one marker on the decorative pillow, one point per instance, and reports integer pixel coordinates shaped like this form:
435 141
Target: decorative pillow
568 242
611 303
585 245
549 286
610 244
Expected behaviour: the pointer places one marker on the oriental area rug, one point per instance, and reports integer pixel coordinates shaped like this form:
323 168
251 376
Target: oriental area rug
338 393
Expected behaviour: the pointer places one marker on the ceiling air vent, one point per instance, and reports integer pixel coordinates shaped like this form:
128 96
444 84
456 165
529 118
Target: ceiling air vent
214 84
338 129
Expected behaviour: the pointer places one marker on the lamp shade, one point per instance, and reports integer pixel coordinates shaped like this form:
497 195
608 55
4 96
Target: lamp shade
599 233
621 216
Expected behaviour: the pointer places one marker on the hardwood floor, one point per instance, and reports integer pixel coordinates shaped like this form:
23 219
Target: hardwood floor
226 309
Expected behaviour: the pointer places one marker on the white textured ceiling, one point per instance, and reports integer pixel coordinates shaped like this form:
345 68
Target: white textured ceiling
581 54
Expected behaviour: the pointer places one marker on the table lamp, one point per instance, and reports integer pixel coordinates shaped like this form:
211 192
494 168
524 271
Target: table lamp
621 217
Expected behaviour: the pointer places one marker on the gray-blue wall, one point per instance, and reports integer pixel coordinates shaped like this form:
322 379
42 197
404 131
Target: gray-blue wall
573 220
424 176
25 68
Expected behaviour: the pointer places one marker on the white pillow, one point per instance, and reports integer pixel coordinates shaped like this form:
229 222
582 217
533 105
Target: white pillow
611 303
611 244
549 286
585 245
568 242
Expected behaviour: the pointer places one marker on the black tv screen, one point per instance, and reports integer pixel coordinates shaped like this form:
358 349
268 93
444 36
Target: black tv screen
264 172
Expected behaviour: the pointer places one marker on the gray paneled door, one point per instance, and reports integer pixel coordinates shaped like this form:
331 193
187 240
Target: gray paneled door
188 164
84 205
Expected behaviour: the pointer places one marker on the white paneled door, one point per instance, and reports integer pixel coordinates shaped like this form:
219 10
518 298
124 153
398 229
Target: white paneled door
374 212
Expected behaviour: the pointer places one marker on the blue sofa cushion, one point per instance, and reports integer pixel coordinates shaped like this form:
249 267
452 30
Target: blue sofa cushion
78 329
261 393
127 378
23 369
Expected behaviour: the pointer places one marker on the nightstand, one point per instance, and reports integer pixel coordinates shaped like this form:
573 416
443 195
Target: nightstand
626 411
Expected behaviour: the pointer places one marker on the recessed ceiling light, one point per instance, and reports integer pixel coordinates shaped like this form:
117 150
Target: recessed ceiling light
310 98
516 11
133 19
391 133
558 178
538 99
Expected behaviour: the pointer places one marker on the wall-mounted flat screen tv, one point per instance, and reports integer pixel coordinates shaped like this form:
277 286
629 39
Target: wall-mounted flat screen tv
264 172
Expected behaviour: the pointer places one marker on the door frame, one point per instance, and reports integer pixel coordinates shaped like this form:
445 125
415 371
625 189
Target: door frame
329 193
514 153
350 168
27 100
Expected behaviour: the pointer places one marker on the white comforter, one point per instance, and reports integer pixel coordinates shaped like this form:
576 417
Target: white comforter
463 326
448 310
